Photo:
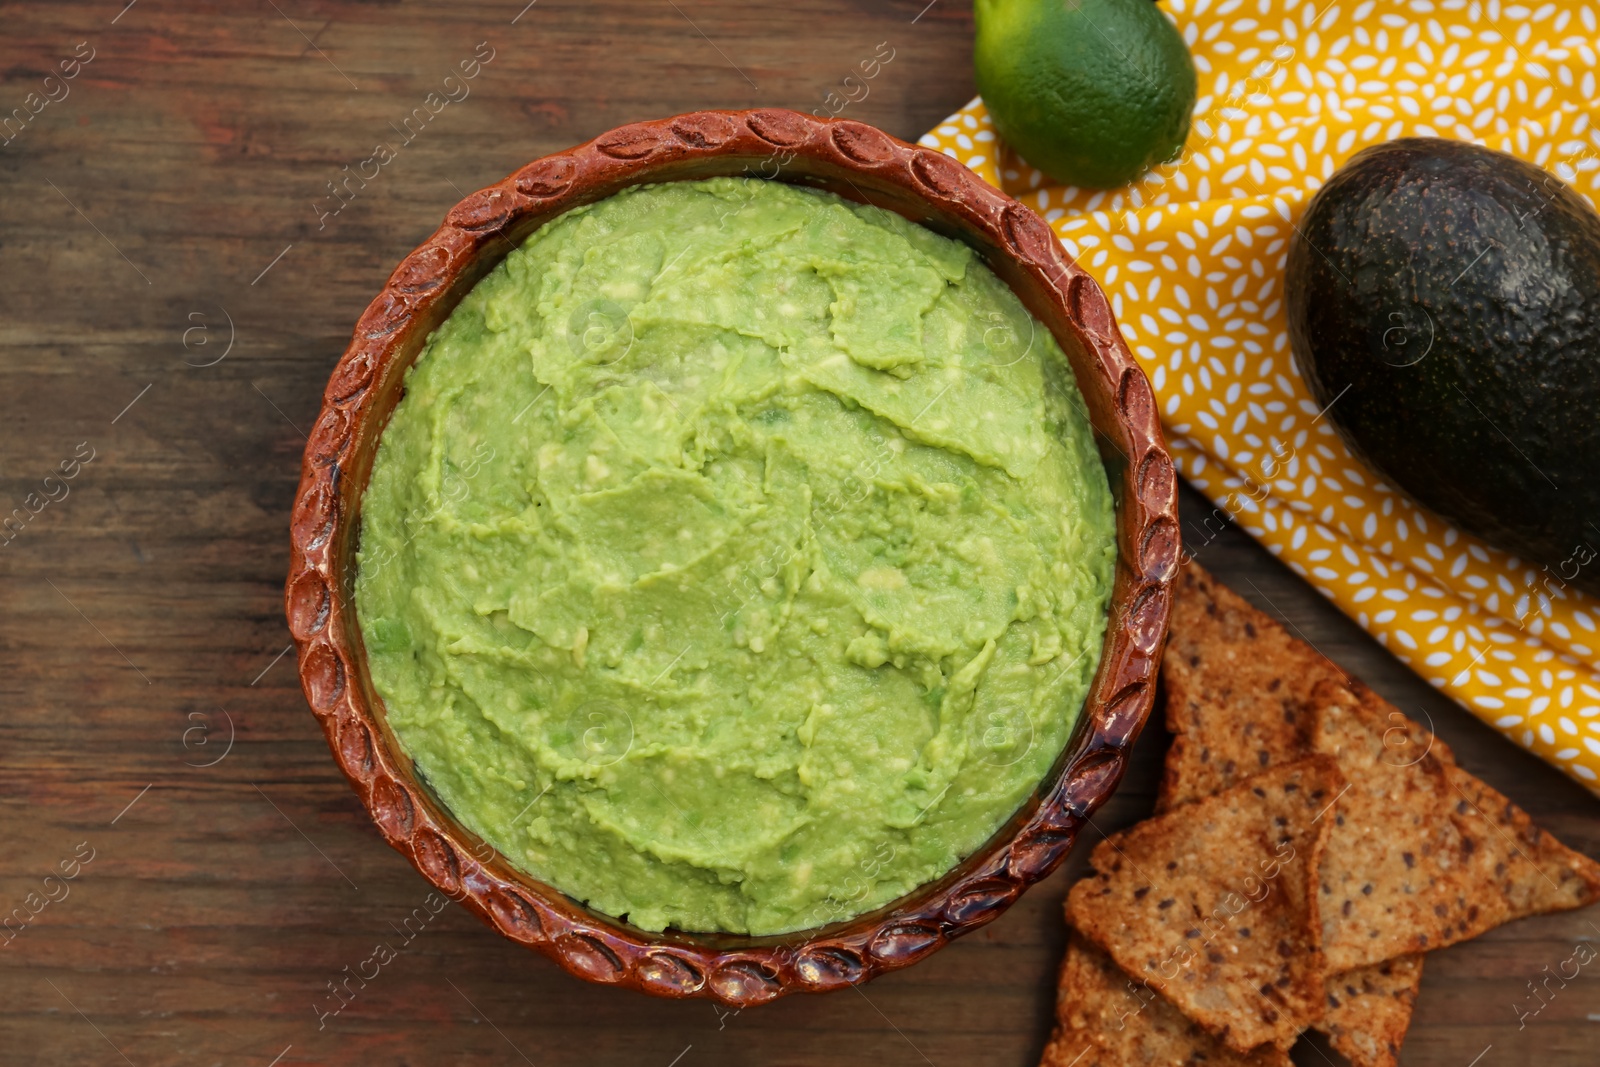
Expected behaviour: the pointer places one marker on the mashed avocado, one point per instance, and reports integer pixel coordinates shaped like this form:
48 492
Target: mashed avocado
737 558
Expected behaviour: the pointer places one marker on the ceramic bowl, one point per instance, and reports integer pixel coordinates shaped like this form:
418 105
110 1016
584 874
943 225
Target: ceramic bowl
859 163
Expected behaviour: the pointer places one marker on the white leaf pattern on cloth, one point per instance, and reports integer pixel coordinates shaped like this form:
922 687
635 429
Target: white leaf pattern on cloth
1192 257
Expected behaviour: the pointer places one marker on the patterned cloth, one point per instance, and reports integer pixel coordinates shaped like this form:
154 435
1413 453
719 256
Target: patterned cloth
1192 258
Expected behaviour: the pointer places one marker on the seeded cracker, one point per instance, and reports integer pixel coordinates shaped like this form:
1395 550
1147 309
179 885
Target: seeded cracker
1106 1019
1369 1010
1423 854
1215 905
1395 854
1531 871
1238 690
1216 636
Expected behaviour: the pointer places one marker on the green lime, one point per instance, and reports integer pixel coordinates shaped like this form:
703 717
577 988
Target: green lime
1092 92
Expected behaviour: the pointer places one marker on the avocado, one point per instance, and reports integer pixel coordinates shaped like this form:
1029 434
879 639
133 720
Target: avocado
1444 307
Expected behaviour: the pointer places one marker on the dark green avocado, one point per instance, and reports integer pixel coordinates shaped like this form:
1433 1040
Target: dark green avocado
1444 299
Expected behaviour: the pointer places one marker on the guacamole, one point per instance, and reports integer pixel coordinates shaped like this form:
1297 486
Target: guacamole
737 558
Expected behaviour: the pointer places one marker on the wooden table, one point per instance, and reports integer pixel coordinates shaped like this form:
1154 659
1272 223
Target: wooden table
176 288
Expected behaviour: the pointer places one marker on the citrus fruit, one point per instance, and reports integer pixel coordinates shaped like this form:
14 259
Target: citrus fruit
1092 92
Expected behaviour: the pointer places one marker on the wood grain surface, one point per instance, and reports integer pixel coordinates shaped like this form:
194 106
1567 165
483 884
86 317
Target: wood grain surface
176 287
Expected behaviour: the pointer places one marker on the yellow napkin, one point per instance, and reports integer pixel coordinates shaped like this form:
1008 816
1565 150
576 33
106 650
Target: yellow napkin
1192 258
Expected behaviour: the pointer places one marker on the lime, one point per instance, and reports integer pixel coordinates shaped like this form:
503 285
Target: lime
1092 92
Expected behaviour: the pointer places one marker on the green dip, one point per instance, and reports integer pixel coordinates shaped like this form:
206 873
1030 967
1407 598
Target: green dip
738 557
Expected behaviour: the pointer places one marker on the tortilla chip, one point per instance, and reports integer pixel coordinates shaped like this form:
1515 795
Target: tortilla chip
1393 850
1422 854
1215 905
1106 1019
1369 1011
1216 637
1238 690
1527 869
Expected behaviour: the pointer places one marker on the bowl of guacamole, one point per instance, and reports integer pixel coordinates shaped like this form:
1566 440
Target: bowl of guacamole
733 554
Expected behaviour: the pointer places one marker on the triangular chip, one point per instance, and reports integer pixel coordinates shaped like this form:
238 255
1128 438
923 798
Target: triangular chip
1404 780
1106 1019
1393 847
1423 854
1369 1011
1218 638
1531 872
1215 905
1238 690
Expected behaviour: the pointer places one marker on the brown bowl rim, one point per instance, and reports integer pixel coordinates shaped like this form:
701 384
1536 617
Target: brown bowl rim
855 160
